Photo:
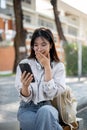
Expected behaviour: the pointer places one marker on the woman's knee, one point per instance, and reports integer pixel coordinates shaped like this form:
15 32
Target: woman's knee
48 110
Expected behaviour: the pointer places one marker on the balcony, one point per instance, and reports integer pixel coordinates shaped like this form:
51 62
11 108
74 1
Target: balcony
69 21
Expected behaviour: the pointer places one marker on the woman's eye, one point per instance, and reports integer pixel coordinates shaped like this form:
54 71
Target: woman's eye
44 44
35 45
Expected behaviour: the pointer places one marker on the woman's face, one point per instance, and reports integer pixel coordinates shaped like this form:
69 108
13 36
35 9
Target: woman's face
42 45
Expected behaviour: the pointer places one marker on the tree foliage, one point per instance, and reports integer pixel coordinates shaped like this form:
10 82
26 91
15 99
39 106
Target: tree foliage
84 60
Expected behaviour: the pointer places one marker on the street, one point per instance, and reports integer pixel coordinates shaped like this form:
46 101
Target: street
9 100
83 114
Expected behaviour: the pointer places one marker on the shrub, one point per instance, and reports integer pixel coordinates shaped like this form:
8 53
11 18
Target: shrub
71 59
84 60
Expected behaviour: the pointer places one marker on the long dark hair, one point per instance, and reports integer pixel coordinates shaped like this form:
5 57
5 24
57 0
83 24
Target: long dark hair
47 34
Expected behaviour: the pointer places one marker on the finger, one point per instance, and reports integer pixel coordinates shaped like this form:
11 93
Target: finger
29 79
48 56
40 56
23 75
26 76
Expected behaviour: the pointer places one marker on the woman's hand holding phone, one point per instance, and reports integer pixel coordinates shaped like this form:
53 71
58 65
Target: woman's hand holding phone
26 78
25 67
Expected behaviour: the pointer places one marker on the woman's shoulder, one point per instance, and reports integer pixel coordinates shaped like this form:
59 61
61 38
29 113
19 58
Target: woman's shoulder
59 64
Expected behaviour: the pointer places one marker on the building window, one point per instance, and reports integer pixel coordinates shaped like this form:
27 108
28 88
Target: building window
27 1
27 18
29 35
9 10
72 31
3 4
55 39
45 23
0 3
63 28
1 39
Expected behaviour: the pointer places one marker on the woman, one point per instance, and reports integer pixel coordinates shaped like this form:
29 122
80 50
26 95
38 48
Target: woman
35 111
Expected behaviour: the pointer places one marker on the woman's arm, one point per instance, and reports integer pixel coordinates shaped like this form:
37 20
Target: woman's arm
24 90
57 84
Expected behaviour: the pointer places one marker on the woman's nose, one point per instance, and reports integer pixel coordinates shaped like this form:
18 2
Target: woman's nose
39 48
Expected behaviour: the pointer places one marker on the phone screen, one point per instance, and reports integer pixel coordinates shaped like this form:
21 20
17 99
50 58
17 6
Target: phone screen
26 67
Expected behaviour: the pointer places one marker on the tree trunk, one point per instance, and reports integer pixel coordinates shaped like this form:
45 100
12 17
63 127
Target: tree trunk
57 20
20 37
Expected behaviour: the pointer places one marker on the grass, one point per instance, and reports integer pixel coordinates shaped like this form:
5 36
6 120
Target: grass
7 75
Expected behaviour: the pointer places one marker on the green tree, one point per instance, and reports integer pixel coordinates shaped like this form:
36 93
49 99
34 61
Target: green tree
84 60
71 56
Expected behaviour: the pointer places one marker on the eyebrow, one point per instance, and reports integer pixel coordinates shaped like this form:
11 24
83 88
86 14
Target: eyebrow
41 42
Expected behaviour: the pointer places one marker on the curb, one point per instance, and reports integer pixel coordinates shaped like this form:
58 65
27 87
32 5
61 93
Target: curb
9 125
81 106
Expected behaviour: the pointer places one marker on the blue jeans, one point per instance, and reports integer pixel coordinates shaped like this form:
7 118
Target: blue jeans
42 116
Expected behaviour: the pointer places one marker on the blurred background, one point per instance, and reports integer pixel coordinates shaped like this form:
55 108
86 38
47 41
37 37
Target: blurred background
31 14
67 19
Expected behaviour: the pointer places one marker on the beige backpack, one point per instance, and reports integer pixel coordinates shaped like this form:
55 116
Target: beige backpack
66 104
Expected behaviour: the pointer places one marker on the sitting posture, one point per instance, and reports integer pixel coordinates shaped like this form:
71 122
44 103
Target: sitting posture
37 88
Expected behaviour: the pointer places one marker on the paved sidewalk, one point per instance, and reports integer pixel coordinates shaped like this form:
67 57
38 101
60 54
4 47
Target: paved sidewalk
80 90
9 100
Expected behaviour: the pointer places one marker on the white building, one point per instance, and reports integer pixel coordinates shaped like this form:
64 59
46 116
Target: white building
39 13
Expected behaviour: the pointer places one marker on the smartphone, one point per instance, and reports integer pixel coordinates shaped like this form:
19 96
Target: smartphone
26 67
